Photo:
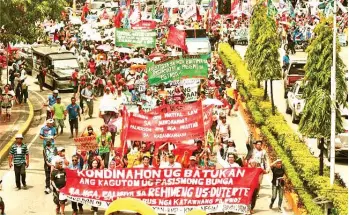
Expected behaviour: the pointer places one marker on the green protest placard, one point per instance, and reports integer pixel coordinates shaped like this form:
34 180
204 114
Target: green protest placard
135 38
177 69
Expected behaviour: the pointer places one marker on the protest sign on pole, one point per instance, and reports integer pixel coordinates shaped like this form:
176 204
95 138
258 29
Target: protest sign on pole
144 24
189 11
185 123
177 69
86 143
135 38
166 190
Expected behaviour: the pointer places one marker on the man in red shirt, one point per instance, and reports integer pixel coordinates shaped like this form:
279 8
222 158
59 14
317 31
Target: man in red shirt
74 80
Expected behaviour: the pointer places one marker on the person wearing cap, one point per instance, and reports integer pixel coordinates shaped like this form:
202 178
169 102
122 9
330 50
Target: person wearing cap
73 111
171 163
19 159
48 132
59 114
223 129
192 163
48 153
59 180
52 99
88 96
278 182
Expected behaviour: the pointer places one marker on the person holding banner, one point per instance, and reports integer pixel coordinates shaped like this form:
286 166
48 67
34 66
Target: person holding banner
75 165
96 164
59 179
170 163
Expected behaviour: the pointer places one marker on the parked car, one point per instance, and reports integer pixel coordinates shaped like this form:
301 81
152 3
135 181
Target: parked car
293 73
341 139
295 102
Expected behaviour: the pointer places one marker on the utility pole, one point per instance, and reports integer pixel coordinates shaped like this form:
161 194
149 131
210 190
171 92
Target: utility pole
333 97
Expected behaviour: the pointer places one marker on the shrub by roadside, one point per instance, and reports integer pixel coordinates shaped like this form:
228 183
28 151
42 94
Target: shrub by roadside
301 167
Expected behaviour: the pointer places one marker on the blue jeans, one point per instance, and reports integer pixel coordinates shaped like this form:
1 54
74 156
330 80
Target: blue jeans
275 191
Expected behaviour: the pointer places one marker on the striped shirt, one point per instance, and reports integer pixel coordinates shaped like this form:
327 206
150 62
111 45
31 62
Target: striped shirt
19 152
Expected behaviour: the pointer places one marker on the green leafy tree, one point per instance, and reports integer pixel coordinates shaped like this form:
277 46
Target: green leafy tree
316 119
251 56
262 54
20 18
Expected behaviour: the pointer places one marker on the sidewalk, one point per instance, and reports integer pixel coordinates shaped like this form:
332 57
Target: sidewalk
21 117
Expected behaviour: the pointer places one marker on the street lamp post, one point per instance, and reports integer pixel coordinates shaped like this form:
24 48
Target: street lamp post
333 97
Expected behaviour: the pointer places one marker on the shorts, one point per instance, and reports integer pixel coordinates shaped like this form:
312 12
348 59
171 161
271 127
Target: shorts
75 89
74 123
59 122
6 110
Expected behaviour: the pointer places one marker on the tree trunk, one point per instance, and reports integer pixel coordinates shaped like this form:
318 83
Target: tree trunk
265 90
321 156
258 83
272 97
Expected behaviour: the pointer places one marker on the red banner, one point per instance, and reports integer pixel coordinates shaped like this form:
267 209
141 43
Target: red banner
166 190
168 127
144 24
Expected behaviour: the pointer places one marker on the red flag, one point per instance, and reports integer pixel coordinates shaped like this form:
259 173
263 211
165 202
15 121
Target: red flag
117 19
165 16
177 38
83 19
85 9
198 16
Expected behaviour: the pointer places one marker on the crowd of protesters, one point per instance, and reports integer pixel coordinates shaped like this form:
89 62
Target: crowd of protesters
112 75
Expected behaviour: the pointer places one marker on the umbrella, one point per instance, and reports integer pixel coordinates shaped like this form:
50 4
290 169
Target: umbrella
156 54
125 50
128 205
212 102
104 47
138 60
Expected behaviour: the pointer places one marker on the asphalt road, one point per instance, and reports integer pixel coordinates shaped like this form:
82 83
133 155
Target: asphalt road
35 201
341 166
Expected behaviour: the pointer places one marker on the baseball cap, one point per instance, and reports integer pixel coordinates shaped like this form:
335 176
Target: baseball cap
58 97
50 121
55 91
192 158
60 149
171 155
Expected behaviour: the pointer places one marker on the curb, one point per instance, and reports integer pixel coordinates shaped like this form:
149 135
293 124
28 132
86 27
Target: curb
23 130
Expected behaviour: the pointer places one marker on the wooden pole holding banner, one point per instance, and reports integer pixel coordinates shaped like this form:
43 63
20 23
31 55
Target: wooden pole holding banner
74 7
